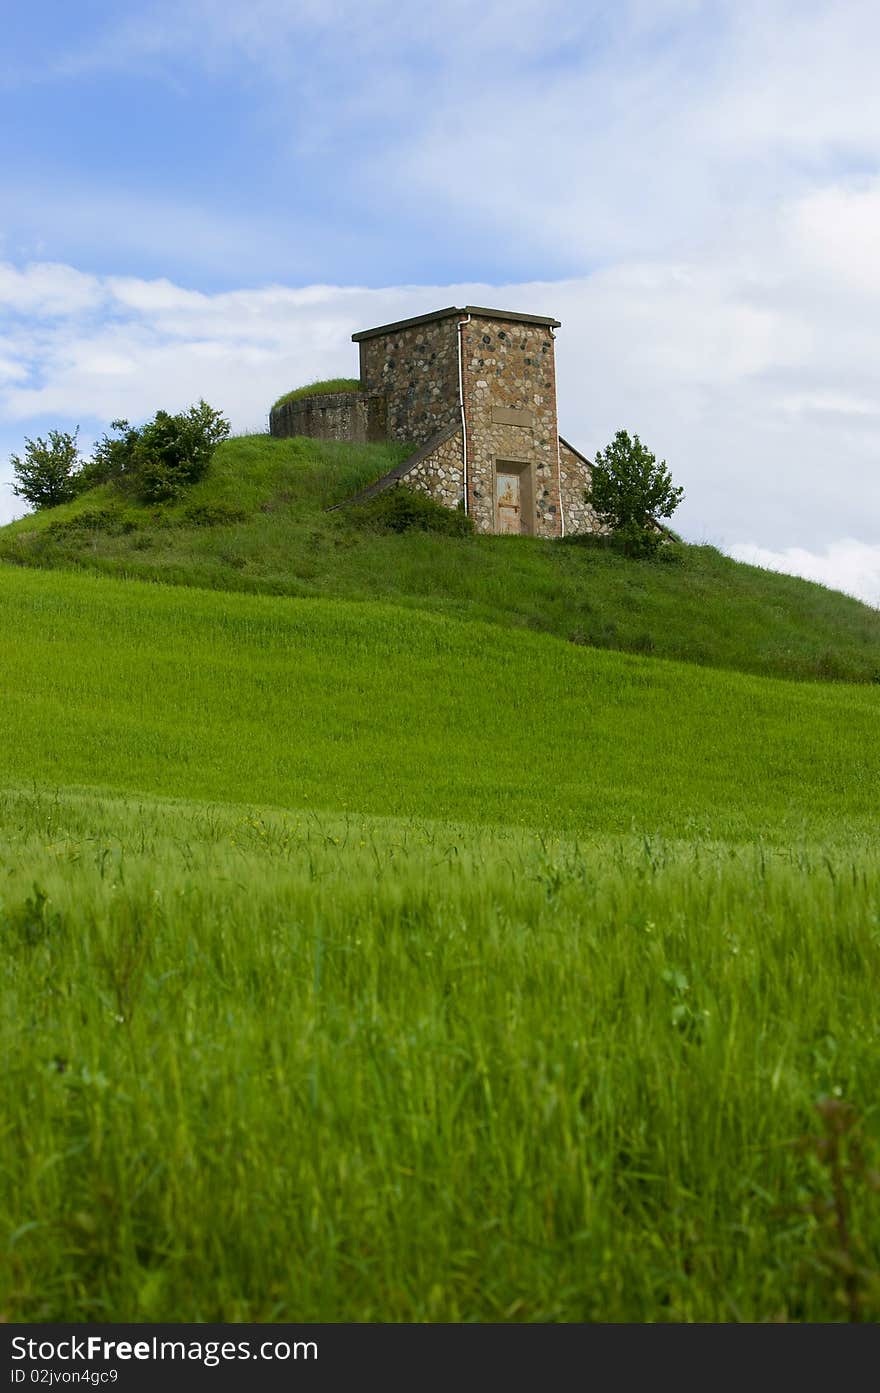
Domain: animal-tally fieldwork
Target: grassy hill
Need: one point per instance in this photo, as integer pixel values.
(420, 970)
(358, 962)
(332, 705)
(258, 523)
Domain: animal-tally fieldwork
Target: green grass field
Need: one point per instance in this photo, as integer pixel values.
(360, 963)
(371, 954)
(387, 711)
(293, 1067)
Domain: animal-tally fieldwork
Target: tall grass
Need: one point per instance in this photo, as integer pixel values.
(292, 1067)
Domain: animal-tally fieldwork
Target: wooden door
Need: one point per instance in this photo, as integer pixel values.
(508, 503)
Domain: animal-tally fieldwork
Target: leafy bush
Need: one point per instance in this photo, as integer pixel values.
(404, 510)
(110, 520)
(157, 461)
(111, 461)
(49, 473)
(629, 491)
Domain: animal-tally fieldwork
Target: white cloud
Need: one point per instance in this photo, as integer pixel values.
(47, 290)
(10, 506)
(847, 565)
(838, 229)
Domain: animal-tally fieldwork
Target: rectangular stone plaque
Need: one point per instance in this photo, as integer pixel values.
(512, 416)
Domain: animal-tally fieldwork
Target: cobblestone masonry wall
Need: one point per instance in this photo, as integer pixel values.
(510, 412)
(410, 391)
(440, 474)
(416, 369)
(575, 472)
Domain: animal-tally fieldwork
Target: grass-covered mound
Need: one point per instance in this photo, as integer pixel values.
(320, 389)
(331, 705)
(258, 522)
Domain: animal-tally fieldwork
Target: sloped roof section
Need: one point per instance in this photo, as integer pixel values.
(401, 471)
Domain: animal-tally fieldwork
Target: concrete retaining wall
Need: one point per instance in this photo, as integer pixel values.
(354, 416)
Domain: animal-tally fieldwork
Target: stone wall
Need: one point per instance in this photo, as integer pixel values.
(441, 473)
(575, 475)
(416, 370)
(510, 414)
(352, 416)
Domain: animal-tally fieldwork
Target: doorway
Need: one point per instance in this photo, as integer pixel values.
(514, 503)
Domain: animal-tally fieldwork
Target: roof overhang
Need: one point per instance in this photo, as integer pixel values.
(477, 311)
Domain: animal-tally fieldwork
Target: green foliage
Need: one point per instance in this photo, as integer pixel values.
(112, 460)
(319, 389)
(402, 509)
(628, 491)
(156, 462)
(112, 522)
(49, 472)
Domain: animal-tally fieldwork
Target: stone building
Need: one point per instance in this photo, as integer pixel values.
(474, 390)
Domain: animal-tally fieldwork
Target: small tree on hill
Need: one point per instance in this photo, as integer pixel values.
(159, 460)
(629, 491)
(48, 473)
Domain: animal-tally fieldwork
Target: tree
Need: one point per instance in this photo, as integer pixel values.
(159, 460)
(629, 491)
(48, 474)
(175, 451)
(112, 457)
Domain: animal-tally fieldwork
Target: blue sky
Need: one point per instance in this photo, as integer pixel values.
(203, 198)
(349, 143)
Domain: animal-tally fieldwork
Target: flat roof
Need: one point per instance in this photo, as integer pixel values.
(477, 310)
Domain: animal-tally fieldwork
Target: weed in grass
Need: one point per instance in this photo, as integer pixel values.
(843, 1182)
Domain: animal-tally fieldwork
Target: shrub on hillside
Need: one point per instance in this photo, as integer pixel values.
(629, 490)
(404, 510)
(49, 473)
(217, 514)
(111, 521)
(157, 461)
